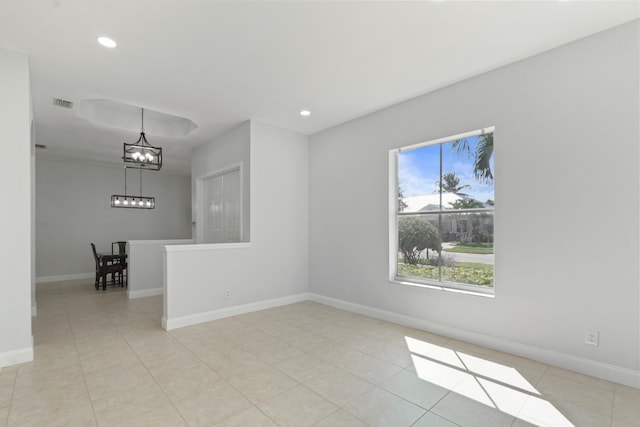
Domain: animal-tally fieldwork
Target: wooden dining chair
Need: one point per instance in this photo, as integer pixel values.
(122, 251)
(103, 268)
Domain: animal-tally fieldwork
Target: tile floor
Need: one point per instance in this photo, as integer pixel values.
(101, 359)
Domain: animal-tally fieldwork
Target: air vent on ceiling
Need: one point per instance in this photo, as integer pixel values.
(41, 146)
(62, 103)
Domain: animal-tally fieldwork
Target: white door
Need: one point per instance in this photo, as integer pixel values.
(231, 206)
(222, 208)
(213, 210)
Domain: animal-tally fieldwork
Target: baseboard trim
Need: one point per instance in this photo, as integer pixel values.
(15, 357)
(47, 279)
(597, 369)
(145, 293)
(193, 319)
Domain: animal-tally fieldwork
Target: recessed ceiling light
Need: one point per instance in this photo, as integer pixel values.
(305, 113)
(107, 42)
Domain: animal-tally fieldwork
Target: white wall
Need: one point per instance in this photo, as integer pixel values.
(229, 149)
(145, 266)
(273, 267)
(73, 209)
(16, 342)
(32, 164)
(566, 192)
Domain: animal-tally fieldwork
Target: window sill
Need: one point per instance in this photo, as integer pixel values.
(436, 287)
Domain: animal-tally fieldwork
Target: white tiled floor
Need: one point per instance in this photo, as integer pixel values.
(103, 359)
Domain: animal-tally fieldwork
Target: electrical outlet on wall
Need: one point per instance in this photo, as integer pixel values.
(345, 288)
(592, 338)
(227, 293)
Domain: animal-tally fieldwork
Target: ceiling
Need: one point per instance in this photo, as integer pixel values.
(220, 63)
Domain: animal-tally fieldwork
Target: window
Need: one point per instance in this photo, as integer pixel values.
(442, 204)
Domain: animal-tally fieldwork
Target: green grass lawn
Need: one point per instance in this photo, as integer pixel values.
(471, 273)
(472, 248)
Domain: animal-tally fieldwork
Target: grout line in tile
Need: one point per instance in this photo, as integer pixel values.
(13, 390)
(84, 376)
(149, 372)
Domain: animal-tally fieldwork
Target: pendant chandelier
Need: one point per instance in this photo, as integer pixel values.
(141, 154)
(129, 201)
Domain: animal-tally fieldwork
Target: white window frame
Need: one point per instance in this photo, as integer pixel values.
(393, 225)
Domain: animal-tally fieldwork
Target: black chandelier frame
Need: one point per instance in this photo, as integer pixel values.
(130, 201)
(141, 154)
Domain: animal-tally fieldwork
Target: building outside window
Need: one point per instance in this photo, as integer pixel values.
(442, 204)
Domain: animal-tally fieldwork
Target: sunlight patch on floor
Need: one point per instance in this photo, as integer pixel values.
(489, 383)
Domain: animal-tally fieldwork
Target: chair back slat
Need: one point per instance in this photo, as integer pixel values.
(122, 248)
